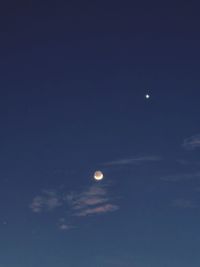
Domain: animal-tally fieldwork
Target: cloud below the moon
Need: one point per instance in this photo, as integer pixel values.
(98, 210)
(94, 200)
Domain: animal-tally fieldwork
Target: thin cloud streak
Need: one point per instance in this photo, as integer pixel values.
(180, 177)
(132, 161)
(97, 210)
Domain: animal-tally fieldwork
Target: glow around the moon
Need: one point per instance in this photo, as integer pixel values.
(98, 175)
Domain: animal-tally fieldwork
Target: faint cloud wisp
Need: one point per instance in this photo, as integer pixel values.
(48, 201)
(93, 201)
(130, 161)
(192, 142)
(63, 225)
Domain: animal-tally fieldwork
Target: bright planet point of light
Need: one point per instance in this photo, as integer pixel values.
(147, 96)
(98, 175)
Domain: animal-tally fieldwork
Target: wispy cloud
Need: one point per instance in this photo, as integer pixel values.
(97, 210)
(181, 177)
(192, 142)
(131, 161)
(48, 201)
(63, 225)
(184, 203)
(95, 200)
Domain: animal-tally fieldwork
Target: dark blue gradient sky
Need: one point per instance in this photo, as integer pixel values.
(72, 100)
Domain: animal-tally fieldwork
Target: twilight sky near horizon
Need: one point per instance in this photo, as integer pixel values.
(74, 79)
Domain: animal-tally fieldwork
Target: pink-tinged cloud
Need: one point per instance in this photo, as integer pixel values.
(94, 200)
(46, 202)
(88, 201)
(98, 210)
(92, 196)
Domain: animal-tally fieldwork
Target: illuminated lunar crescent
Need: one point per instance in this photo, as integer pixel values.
(98, 175)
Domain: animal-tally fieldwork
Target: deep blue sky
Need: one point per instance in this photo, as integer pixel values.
(72, 100)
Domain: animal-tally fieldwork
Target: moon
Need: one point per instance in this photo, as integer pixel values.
(98, 175)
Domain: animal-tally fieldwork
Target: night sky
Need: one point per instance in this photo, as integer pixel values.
(73, 81)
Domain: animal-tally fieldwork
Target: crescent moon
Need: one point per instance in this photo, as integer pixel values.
(98, 175)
